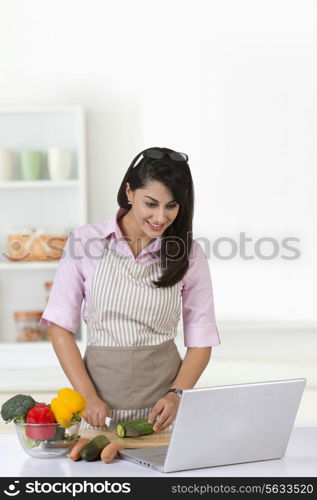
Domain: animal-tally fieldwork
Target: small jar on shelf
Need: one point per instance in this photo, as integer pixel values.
(27, 326)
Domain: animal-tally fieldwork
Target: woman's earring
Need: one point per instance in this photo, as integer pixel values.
(129, 202)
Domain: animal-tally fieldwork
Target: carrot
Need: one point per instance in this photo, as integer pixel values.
(75, 452)
(110, 452)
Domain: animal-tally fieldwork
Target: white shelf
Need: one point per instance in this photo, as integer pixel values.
(35, 204)
(28, 266)
(40, 184)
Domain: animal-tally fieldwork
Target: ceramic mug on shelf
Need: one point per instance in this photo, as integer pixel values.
(59, 163)
(31, 163)
(6, 164)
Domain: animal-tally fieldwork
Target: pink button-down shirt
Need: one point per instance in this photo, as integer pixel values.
(82, 252)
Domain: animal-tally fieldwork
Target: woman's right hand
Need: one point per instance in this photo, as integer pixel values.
(96, 411)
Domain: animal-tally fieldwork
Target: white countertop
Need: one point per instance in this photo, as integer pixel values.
(300, 460)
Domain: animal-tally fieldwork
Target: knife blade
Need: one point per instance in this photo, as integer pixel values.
(111, 424)
(112, 427)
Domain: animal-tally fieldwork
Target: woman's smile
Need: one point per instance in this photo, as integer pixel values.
(155, 227)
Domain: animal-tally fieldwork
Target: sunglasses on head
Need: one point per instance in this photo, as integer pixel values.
(157, 154)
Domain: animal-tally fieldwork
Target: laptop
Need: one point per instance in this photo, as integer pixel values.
(227, 425)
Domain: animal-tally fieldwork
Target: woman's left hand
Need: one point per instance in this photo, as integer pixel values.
(165, 409)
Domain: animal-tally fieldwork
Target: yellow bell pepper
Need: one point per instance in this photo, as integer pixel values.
(68, 406)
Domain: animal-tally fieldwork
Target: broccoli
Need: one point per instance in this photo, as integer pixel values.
(16, 408)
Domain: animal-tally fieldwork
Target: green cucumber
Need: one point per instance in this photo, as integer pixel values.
(141, 426)
(92, 450)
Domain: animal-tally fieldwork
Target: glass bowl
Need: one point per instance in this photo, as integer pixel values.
(47, 440)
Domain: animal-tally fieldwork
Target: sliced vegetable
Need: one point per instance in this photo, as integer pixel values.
(110, 452)
(141, 426)
(75, 453)
(92, 450)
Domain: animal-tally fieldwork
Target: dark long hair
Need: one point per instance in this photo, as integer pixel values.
(177, 238)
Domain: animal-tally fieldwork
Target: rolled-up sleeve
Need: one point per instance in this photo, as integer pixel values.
(67, 293)
(199, 324)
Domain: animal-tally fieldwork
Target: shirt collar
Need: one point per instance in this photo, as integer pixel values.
(114, 228)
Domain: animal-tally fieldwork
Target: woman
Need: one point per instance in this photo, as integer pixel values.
(137, 273)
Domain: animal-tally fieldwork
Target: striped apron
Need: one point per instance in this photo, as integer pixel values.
(131, 356)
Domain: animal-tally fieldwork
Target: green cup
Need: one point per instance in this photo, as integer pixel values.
(31, 163)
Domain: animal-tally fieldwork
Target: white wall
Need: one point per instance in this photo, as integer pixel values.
(232, 83)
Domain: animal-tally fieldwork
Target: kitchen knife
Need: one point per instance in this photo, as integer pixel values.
(112, 426)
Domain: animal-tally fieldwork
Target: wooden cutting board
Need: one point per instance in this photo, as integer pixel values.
(155, 439)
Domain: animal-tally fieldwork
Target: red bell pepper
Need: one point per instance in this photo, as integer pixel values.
(40, 414)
